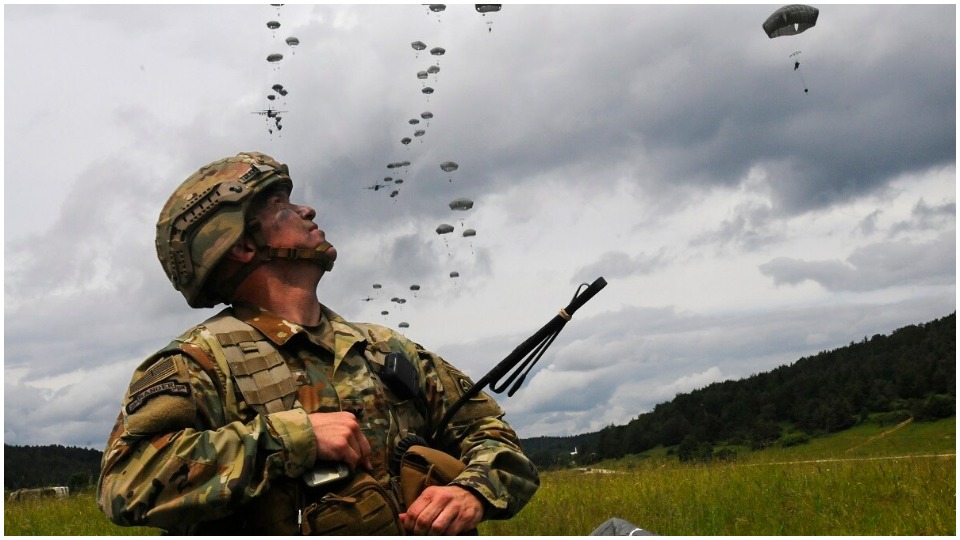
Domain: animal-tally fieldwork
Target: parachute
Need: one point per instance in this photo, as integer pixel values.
(427, 90)
(454, 274)
(414, 287)
(292, 41)
(469, 232)
(376, 285)
(275, 57)
(273, 25)
(277, 87)
(790, 20)
(422, 75)
(426, 115)
(449, 166)
(433, 70)
(461, 203)
(444, 228)
(405, 140)
(437, 51)
(404, 325)
(418, 45)
(437, 8)
(483, 9)
(414, 121)
(419, 133)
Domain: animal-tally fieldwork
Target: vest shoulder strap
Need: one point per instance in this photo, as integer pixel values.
(262, 376)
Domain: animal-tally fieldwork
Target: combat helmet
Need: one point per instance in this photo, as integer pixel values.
(207, 215)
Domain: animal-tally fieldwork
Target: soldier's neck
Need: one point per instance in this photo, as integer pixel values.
(293, 299)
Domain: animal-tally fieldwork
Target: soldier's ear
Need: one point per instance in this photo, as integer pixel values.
(243, 250)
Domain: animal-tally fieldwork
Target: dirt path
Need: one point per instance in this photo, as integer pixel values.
(883, 434)
(833, 460)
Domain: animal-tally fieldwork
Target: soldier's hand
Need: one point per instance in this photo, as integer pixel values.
(339, 438)
(447, 510)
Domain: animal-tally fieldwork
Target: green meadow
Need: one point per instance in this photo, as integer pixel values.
(865, 481)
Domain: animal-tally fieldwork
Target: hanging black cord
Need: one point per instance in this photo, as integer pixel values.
(528, 352)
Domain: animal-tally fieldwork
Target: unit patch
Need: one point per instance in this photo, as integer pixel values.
(169, 387)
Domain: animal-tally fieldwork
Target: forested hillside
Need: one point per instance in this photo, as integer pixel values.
(910, 373)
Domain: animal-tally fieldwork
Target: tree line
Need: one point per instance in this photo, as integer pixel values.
(910, 373)
(49, 465)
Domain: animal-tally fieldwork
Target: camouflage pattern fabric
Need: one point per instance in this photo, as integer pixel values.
(188, 455)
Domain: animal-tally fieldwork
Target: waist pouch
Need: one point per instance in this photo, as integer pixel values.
(422, 467)
(361, 507)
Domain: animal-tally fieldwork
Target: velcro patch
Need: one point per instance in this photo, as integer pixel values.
(169, 387)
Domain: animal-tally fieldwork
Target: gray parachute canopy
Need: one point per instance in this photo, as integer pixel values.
(487, 8)
(422, 75)
(404, 325)
(433, 70)
(469, 232)
(292, 41)
(790, 20)
(426, 115)
(454, 274)
(276, 57)
(414, 287)
(449, 166)
(437, 51)
(437, 8)
(418, 45)
(444, 228)
(273, 25)
(461, 203)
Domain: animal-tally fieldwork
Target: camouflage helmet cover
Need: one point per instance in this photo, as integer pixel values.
(205, 217)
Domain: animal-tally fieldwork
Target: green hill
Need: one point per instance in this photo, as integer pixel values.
(910, 373)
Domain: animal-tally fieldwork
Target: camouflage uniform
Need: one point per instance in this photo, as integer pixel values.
(188, 455)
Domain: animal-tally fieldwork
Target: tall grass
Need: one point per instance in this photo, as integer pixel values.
(868, 497)
(76, 515)
(865, 481)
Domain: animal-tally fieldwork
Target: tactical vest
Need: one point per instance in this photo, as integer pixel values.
(362, 506)
(266, 385)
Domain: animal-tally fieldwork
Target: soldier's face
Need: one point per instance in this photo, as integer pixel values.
(285, 224)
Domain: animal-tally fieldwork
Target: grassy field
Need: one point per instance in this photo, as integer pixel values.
(865, 481)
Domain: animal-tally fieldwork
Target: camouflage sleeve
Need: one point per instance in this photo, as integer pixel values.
(173, 459)
(497, 470)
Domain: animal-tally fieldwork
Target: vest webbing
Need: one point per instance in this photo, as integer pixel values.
(262, 376)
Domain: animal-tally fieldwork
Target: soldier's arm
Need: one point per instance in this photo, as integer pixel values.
(175, 458)
(497, 470)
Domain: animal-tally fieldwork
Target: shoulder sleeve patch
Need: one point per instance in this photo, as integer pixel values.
(159, 379)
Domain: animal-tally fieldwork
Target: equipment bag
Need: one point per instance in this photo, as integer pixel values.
(361, 507)
(422, 467)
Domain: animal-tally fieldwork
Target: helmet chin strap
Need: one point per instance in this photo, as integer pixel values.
(317, 254)
(266, 253)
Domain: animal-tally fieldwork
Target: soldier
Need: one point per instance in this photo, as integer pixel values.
(277, 416)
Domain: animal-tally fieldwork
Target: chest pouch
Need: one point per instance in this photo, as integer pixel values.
(361, 507)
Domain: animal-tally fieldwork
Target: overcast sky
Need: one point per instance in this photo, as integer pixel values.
(740, 221)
